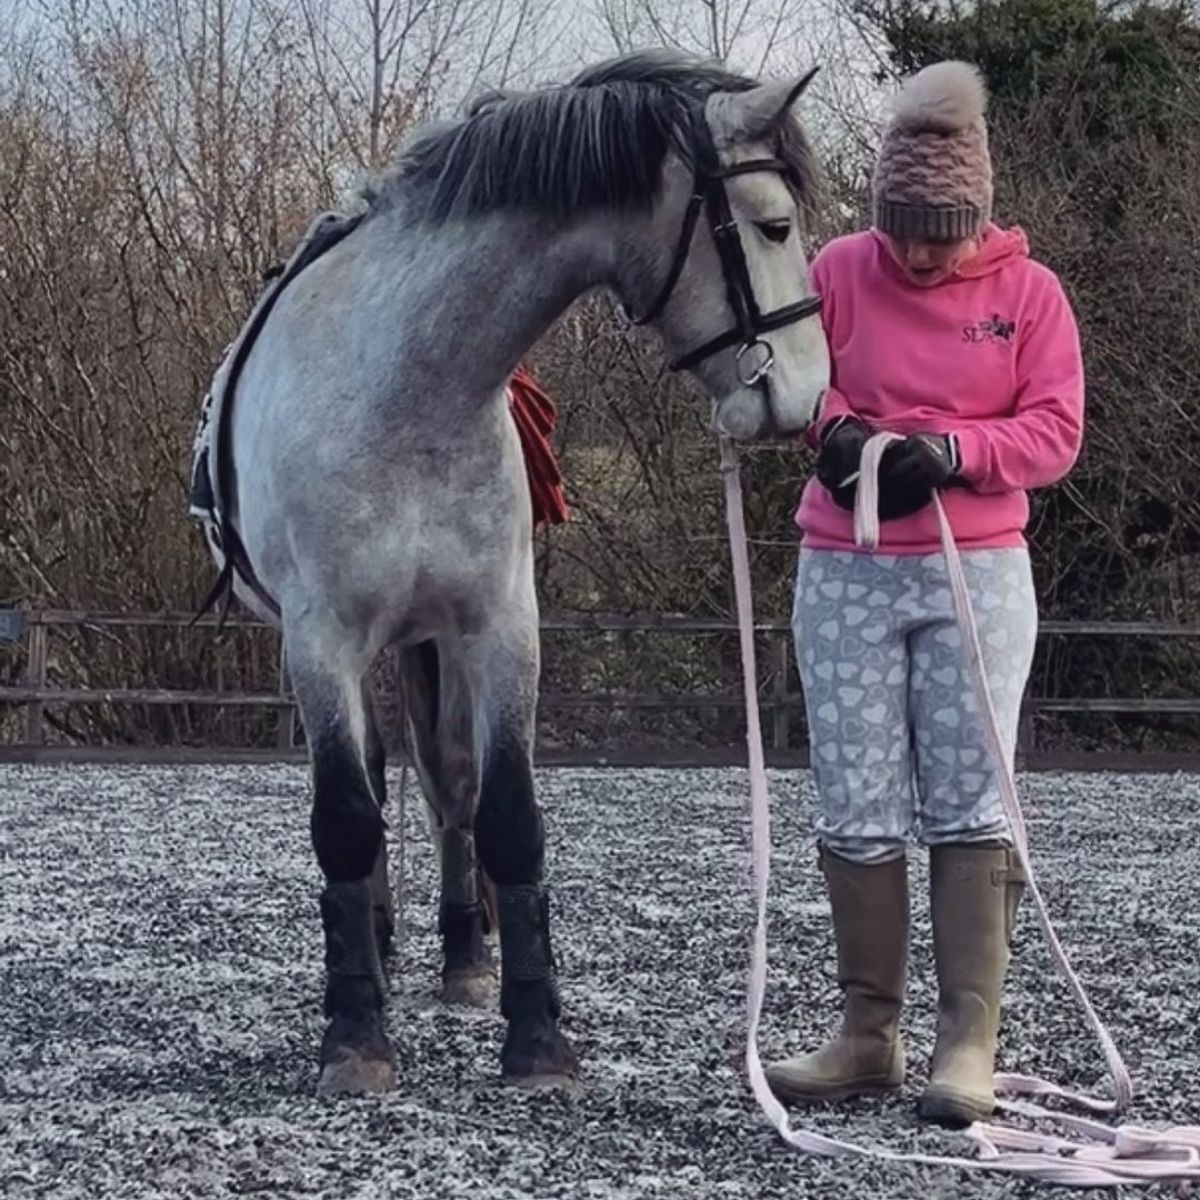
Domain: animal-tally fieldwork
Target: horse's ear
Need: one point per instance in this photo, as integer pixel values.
(799, 87)
(757, 112)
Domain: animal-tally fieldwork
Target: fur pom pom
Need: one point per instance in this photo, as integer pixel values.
(944, 97)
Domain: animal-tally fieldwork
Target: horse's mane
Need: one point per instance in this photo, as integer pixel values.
(597, 141)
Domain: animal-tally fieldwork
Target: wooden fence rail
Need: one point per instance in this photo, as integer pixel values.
(778, 698)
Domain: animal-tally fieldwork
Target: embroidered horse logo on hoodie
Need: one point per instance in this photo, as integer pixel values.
(990, 329)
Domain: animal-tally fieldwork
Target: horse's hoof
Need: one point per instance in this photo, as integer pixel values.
(356, 1057)
(471, 987)
(539, 1057)
(567, 1085)
(352, 1074)
(468, 966)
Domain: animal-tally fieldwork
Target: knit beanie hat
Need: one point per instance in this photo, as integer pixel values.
(933, 178)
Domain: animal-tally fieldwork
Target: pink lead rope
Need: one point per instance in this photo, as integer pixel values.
(1098, 1155)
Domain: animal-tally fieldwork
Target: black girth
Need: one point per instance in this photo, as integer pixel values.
(237, 561)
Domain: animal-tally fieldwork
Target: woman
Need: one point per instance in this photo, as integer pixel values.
(942, 329)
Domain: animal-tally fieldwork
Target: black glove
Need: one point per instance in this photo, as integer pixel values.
(839, 457)
(910, 471)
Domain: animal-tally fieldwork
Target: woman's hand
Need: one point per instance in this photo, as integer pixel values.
(839, 457)
(910, 471)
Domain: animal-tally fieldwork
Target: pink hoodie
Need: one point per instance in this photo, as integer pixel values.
(992, 355)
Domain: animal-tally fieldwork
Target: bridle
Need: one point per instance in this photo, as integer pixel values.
(708, 189)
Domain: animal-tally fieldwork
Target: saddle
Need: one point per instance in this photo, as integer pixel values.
(535, 416)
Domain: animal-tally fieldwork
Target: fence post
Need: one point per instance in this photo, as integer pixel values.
(782, 712)
(1026, 734)
(285, 727)
(35, 676)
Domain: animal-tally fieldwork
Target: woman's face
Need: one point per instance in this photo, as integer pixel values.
(929, 263)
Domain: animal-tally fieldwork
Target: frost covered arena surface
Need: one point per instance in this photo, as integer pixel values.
(160, 981)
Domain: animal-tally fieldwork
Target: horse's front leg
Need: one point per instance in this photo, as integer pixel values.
(347, 833)
(511, 840)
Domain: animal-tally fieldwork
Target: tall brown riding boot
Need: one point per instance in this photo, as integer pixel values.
(974, 893)
(870, 925)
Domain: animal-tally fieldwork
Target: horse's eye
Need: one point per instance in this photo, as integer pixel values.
(775, 231)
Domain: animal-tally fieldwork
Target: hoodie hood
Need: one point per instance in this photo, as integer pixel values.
(1000, 247)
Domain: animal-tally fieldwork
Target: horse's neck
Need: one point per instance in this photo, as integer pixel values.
(477, 294)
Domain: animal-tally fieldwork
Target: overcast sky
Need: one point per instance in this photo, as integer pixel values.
(521, 43)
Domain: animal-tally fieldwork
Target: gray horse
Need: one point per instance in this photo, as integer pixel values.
(369, 487)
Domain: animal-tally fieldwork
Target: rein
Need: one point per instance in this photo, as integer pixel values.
(1099, 1155)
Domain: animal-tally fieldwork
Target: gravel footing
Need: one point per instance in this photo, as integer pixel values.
(160, 981)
